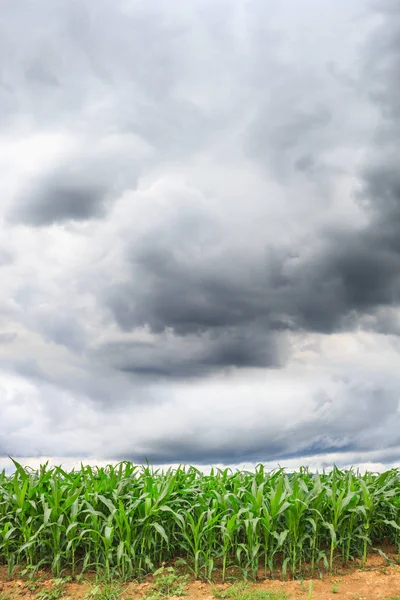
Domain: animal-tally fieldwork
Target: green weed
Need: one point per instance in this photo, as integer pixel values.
(167, 582)
(335, 587)
(54, 593)
(244, 591)
(108, 591)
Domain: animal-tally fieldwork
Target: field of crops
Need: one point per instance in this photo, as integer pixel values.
(129, 520)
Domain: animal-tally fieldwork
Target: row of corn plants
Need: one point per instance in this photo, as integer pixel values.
(129, 520)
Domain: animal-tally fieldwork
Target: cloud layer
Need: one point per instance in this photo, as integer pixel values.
(199, 251)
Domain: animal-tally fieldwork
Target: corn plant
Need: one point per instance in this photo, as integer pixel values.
(128, 521)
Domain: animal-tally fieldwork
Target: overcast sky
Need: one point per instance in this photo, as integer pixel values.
(200, 231)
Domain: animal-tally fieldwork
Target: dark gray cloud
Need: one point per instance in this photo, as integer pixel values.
(196, 356)
(80, 188)
(345, 274)
(60, 202)
(241, 310)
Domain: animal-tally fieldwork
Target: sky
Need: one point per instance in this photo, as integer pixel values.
(200, 232)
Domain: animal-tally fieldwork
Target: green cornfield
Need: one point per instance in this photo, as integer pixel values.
(127, 520)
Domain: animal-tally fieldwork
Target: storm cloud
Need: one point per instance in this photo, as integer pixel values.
(200, 256)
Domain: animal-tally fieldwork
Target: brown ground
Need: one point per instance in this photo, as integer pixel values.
(376, 582)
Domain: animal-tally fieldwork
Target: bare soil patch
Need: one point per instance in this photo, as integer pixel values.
(377, 581)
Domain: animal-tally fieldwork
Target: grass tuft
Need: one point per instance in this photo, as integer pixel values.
(244, 591)
(107, 591)
(167, 582)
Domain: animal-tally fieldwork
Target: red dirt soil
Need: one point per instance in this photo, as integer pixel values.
(377, 581)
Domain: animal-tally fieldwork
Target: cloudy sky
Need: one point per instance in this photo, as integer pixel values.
(200, 231)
